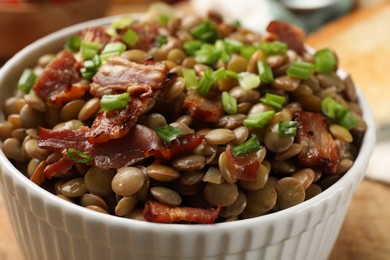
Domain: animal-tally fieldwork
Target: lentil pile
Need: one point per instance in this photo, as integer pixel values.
(184, 120)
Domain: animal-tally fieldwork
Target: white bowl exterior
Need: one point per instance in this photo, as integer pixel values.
(48, 227)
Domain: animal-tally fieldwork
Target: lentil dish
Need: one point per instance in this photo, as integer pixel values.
(184, 120)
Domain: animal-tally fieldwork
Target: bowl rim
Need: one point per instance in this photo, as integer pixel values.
(359, 165)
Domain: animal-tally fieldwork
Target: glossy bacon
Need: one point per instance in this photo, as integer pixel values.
(293, 36)
(116, 123)
(319, 148)
(147, 33)
(140, 143)
(184, 144)
(57, 84)
(160, 213)
(244, 167)
(95, 34)
(202, 108)
(120, 75)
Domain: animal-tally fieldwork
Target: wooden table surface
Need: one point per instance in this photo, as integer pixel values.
(362, 41)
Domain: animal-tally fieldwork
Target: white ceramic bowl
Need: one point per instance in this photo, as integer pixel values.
(48, 227)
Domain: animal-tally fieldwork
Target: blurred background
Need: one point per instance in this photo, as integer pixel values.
(23, 21)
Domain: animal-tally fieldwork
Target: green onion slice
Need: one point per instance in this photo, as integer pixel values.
(190, 78)
(248, 80)
(78, 156)
(300, 69)
(220, 74)
(161, 40)
(287, 128)
(207, 54)
(89, 49)
(229, 103)
(265, 72)
(111, 49)
(251, 146)
(130, 37)
(258, 120)
(247, 51)
(273, 100)
(27, 80)
(168, 133)
(325, 61)
(122, 22)
(338, 113)
(273, 48)
(205, 83)
(111, 102)
(73, 43)
(191, 47)
(206, 32)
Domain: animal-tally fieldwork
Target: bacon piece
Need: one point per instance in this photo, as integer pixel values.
(57, 84)
(115, 123)
(120, 75)
(62, 166)
(292, 35)
(95, 34)
(319, 148)
(202, 108)
(147, 33)
(184, 144)
(243, 167)
(160, 213)
(138, 144)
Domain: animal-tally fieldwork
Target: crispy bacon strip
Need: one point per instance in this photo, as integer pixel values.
(202, 108)
(115, 124)
(120, 75)
(57, 84)
(62, 166)
(244, 167)
(140, 143)
(184, 144)
(160, 213)
(147, 33)
(95, 34)
(292, 35)
(319, 148)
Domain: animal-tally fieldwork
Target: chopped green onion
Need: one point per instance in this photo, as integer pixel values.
(259, 119)
(300, 69)
(89, 49)
(206, 32)
(112, 48)
(90, 67)
(232, 74)
(265, 72)
(111, 31)
(247, 51)
(338, 113)
(112, 102)
(251, 146)
(232, 45)
(191, 47)
(325, 61)
(78, 156)
(287, 128)
(163, 19)
(248, 80)
(220, 74)
(332, 109)
(168, 133)
(122, 22)
(161, 40)
(207, 54)
(190, 78)
(229, 103)
(348, 120)
(130, 37)
(273, 100)
(273, 48)
(73, 43)
(205, 83)
(27, 80)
